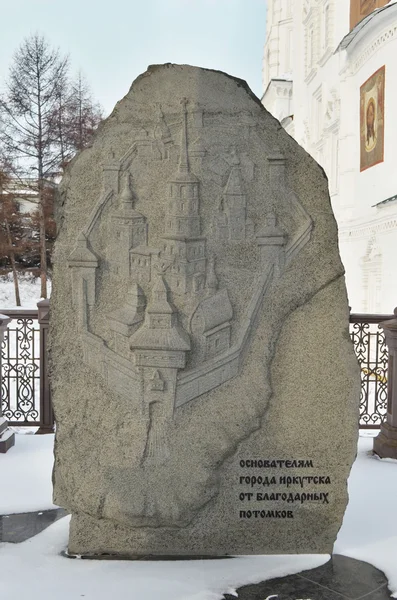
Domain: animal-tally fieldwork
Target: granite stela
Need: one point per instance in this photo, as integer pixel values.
(203, 379)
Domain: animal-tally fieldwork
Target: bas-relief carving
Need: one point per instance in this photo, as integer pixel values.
(145, 360)
(232, 222)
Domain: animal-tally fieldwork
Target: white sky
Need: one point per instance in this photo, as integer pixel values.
(113, 42)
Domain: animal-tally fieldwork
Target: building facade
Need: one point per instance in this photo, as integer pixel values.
(330, 77)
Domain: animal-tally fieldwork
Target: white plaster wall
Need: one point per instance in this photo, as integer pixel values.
(278, 99)
(278, 52)
(365, 228)
(378, 182)
(326, 123)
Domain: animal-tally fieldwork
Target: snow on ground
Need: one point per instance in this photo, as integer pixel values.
(29, 290)
(52, 576)
(26, 475)
(369, 533)
(369, 530)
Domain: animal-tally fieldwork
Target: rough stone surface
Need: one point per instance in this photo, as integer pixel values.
(199, 323)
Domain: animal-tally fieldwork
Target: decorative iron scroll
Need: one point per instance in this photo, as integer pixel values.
(372, 354)
(20, 372)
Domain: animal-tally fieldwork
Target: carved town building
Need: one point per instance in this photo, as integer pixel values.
(232, 221)
(196, 257)
(329, 68)
(182, 250)
(174, 306)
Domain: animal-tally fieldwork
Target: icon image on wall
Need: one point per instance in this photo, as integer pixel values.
(362, 8)
(372, 120)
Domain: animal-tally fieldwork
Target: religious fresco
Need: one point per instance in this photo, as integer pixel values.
(362, 8)
(372, 120)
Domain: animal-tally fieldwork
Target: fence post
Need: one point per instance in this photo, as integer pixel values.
(385, 443)
(7, 437)
(46, 412)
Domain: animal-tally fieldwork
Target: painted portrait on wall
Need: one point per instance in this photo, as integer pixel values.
(362, 8)
(372, 120)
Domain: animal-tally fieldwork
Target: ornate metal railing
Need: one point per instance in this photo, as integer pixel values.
(25, 393)
(371, 351)
(20, 377)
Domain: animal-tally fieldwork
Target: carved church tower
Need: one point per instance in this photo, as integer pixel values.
(160, 347)
(182, 243)
(129, 227)
(235, 207)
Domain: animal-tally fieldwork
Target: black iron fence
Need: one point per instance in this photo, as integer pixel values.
(24, 387)
(25, 393)
(20, 360)
(371, 351)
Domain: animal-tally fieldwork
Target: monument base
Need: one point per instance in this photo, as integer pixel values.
(90, 537)
(385, 443)
(7, 437)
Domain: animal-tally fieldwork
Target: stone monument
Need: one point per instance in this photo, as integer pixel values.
(203, 379)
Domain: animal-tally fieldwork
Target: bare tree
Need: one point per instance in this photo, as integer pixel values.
(84, 114)
(29, 110)
(76, 117)
(8, 220)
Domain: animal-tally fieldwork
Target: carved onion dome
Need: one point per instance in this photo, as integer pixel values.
(126, 196)
(214, 311)
(127, 200)
(133, 311)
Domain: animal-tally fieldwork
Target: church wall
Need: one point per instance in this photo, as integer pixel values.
(377, 182)
(368, 234)
(326, 107)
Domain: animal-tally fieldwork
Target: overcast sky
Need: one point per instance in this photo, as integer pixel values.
(113, 42)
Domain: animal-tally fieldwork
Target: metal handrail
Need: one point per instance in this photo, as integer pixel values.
(45, 417)
(372, 354)
(374, 373)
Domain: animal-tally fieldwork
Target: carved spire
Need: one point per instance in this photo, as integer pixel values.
(159, 298)
(160, 330)
(184, 157)
(234, 185)
(212, 280)
(81, 254)
(162, 131)
(126, 196)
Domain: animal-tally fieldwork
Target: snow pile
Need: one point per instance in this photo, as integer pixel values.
(29, 290)
(369, 530)
(369, 533)
(50, 575)
(26, 475)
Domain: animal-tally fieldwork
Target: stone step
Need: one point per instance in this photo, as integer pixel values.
(7, 440)
(3, 425)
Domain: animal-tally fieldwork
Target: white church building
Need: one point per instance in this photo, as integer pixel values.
(330, 77)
